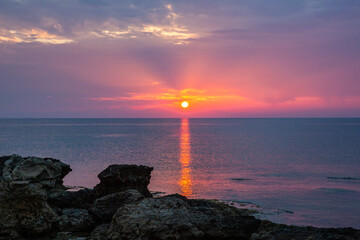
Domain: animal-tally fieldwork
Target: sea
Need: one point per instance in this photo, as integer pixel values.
(300, 171)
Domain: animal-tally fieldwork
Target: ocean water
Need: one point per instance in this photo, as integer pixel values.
(293, 171)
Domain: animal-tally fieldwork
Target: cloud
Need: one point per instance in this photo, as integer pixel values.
(175, 95)
(31, 35)
(172, 31)
(199, 99)
(116, 29)
(164, 25)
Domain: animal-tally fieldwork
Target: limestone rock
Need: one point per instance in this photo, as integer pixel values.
(75, 220)
(3, 159)
(175, 217)
(100, 232)
(104, 208)
(117, 178)
(46, 171)
(83, 198)
(23, 194)
(66, 236)
(28, 216)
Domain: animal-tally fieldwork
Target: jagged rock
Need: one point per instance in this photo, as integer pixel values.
(117, 178)
(75, 220)
(46, 171)
(3, 159)
(104, 208)
(67, 236)
(26, 216)
(83, 198)
(175, 217)
(23, 194)
(100, 232)
(273, 231)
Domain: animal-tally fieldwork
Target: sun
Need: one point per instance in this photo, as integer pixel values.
(184, 104)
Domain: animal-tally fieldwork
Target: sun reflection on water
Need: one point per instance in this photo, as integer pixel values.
(185, 159)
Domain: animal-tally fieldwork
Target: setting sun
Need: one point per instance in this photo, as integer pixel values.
(184, 104)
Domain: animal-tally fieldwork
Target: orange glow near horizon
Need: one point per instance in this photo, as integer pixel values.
(209, 100)
(185, 159)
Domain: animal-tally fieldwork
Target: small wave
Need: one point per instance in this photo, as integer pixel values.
(256, 209)
(336, 190)
(343, 178)
(240, 179)
(113, 135)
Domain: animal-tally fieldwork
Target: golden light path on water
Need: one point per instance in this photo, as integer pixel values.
(185, 159)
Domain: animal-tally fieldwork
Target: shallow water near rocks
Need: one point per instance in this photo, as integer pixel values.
(294, 171)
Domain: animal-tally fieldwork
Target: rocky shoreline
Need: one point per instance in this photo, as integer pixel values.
(34, 204)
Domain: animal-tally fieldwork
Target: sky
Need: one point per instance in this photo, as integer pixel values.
(228, 58)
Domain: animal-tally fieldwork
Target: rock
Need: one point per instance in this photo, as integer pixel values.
(3, 159)
(175, 217)
(100, 232)
(26, 216)
(46, 171)
(67, 236)
(104, 208)
(75, 220)
(23, 194)
(35, 205)
(117, 178)
(273, 231)
(20, 172)
(83, 199)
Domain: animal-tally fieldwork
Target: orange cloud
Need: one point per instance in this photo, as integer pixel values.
(31, 35)
(199, 99)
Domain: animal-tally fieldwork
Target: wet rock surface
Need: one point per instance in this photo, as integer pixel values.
(34, 204)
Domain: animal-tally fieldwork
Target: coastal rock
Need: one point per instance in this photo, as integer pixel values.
(67, 236)
(83, 199)
(175, 217)
(3, 159)
(75, 220)
(100, 232)
(26, 216)
(35, 205)
(117, 178)
(46, 171)
(104, 208)
(273, 231)
(23, 194)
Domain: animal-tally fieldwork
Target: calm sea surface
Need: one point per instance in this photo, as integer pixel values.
(294, 171)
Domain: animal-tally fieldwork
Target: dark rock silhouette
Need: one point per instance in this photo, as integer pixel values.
(117, 178)
(82, 199)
